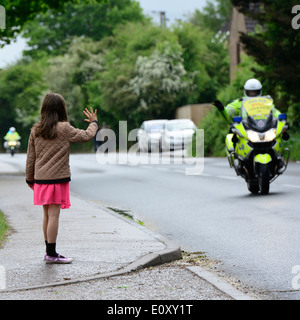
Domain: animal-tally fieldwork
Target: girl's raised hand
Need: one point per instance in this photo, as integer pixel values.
(91, 115)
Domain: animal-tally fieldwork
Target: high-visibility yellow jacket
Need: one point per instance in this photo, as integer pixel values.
(233, 109)
(12, 136)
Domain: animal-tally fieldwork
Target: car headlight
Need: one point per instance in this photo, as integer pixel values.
(253, 136)
(154, 136)
(270, 135)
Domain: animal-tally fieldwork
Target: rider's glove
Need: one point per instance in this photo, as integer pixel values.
(219, 105)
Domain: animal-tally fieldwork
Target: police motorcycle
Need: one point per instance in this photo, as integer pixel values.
(12, 143)
(254, 145)
(12, 147)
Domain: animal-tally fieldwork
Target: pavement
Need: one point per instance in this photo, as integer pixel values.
(115, 257)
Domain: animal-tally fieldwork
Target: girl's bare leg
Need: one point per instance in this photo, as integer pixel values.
(52, 225)
(50, 229)
(45, 221)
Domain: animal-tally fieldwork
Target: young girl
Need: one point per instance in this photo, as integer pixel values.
(47, 164)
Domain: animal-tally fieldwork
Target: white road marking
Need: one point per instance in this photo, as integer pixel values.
(291, 186)
(227, 177)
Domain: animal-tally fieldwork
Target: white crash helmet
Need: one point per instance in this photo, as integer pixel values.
(12, 129)
(252, 85)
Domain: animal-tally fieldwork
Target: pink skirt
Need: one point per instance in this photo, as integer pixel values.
(52, 194)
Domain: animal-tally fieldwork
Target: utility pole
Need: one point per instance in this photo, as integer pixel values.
(163, 19)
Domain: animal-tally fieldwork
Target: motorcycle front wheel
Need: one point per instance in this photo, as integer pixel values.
(12, 152)
(252, 187)
(264, 179)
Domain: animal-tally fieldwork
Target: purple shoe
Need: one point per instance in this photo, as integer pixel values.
(58, 259)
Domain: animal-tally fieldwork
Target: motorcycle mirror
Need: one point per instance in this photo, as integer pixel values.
(237, 119)
(282, 116)
(285, 136)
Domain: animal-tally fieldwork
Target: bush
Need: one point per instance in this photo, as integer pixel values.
(294, 145)
(215, 131)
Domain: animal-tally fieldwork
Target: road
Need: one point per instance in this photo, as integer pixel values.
(256, 238)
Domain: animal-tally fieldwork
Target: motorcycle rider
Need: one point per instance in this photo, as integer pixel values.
(252, 88)
(12, 135)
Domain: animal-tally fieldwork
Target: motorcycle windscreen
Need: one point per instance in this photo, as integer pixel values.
(258, 108)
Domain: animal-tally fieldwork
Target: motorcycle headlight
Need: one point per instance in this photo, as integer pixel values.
(253, 136)
(270, 135)
(261, 137)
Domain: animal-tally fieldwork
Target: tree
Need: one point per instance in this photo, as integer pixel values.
(205, 55)
(71, 73)
(160, 82)
(213, 16)
(21, 88)
(122, 51)
(127, 83)
(276, 47)
(50, 33)
(19, 12)
(131, 89)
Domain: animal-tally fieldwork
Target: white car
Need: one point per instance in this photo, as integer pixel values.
(150, 135)
(178, 134)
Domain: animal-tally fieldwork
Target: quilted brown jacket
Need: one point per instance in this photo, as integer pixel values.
(48, 160)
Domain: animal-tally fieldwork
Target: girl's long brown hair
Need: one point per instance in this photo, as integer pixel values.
(53, 110)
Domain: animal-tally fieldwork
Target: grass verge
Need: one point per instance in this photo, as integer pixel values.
(3, 228)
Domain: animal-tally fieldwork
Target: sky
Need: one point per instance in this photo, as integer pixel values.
(175, 9)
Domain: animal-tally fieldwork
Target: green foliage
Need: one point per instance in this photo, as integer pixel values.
(131, 46)
(19, 12)
(21, 88)
(294, 145)
(150, 71)
(107, 54)
(206, 57)
(51, 33)
(215, 130)
(159, 82)
(3, 228)
(276, 48)
(70, 74)
(213, 16)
